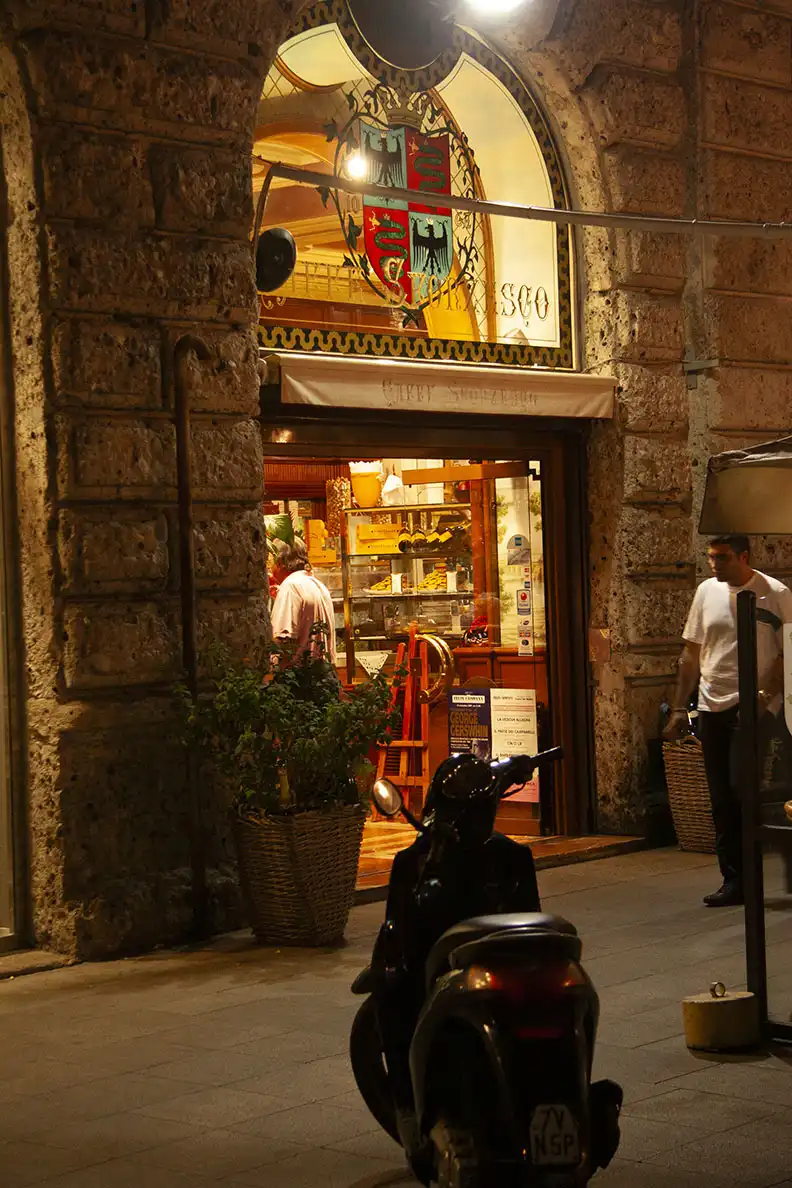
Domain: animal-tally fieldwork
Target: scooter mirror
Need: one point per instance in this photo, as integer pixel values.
(387, 798)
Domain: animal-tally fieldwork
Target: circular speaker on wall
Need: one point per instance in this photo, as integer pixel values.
(276, 257)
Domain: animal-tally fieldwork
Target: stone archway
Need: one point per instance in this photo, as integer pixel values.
(557, 49)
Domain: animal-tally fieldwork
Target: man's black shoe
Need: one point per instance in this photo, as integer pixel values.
(729, 895)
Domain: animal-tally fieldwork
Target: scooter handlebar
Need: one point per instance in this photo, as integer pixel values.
(551, 756)
(521, 768)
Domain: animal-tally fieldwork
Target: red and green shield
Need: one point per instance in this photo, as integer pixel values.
(410, 246)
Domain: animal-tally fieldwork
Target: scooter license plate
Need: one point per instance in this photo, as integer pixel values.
(554, 1137)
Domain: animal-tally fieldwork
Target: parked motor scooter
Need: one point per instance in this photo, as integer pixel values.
(474, 1046)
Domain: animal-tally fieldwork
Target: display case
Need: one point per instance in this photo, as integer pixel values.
(411, 563)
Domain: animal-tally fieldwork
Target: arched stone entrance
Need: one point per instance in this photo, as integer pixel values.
(501, 293)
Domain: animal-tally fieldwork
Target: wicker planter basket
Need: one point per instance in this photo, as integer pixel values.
(688, 795)
(298, 873)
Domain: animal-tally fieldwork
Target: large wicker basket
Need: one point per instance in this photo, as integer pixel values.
(298, 873)
(688, 795)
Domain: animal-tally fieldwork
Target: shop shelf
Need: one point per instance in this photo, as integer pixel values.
(408, 556)
(399, 636)
(462, 594)
(407, 507)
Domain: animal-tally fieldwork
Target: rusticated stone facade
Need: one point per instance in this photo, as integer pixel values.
(677, 109)
(125, 129)
(126, 133)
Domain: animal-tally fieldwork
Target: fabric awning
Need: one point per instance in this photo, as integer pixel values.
(749, 491)
(334, 382)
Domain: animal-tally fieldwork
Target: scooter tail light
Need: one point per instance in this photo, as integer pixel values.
(478, 978)
(522, 983)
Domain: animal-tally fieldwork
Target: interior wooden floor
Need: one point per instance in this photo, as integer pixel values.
(383, 839)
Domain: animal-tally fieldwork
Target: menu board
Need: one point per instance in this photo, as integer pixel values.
(495, 724)
(514, 731)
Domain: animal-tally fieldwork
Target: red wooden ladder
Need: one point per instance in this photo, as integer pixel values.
(405, 760)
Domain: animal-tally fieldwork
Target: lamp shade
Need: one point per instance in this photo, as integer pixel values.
(749, 491)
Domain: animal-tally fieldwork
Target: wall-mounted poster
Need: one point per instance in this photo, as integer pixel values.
(495, 724)
(514, 731)
(469, 730)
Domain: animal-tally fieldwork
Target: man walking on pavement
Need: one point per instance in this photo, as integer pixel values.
(709, 657)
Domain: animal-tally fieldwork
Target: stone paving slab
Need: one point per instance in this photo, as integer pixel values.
(227, 1065)
(28, 961)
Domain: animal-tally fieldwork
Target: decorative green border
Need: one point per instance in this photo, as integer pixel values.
(293, 338)
(390, 346)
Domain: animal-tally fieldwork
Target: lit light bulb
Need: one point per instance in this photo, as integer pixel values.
(356, 167)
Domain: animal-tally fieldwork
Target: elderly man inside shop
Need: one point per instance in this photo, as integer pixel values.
(301, 602)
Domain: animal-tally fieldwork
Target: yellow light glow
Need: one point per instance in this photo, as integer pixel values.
(355, 167)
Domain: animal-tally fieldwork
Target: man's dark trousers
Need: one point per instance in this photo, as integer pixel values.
(719, 734)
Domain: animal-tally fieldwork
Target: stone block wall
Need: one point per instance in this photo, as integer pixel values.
(125, 131)
(135, 123)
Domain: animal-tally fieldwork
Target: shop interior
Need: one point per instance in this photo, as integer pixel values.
(436, 568)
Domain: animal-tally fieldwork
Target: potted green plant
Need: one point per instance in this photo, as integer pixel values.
(290, 746)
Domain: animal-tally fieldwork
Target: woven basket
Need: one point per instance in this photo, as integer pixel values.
(688, 795)
(298, 873)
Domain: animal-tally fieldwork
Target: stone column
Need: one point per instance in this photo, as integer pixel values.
(745, 64)
(132, 185)
(613, 76)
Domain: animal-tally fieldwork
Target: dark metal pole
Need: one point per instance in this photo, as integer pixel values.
(545, 214)
(262, 202)
(186, 345)
(749, 775)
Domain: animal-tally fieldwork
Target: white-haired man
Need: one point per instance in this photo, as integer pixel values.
(302, 601)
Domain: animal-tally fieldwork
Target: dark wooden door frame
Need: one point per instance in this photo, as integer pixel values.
(561, 445)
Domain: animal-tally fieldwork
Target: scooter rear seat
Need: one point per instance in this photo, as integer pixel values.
(557, 933)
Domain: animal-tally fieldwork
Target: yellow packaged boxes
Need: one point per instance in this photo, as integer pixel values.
(375, 539)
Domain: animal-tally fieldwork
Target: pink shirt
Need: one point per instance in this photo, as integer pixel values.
(302, 600)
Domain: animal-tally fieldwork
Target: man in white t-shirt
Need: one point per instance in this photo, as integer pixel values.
(302, 601)
(710, 657)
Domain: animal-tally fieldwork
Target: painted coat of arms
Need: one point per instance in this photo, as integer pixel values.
(405, 241)
(408, 252)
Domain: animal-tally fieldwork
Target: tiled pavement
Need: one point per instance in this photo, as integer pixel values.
(228, 1065)
(383, 839)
